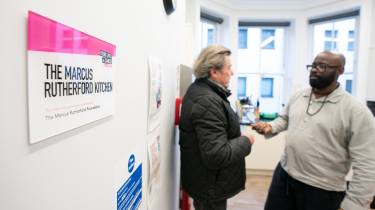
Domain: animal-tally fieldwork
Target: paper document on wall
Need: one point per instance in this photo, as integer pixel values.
(154, 93)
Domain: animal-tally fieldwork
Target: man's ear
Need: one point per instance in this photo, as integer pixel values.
(213, 73)
(341, 70)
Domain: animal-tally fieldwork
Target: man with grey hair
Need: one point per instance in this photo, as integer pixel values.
(328, 132)
(213, 150)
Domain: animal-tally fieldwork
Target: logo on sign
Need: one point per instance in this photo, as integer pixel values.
(131, 163)
(106, 57)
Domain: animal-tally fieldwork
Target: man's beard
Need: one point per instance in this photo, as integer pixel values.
(321, 82)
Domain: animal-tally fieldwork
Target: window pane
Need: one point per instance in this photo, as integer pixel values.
(266, 88)
(348, 85)
(350, 46)
(328, 33)
(242, 38)
(328, 45)
(210, 36)
(268, 39)
(255, 63)
(208, 33)
(339, 36)
(331, 33)
(351, 34)
(241, 86)
(335, 33)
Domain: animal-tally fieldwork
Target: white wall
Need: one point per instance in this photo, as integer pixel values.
(192, 32)
(76, 170)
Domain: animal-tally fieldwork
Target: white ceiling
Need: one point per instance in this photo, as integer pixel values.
(273, 4)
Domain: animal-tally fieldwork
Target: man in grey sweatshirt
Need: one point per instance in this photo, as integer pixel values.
(328, 133)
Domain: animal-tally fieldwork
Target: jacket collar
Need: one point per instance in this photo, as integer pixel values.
(219, 89)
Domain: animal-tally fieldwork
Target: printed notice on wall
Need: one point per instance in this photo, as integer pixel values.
(70, 78)
(154, 168)
(154, 93)
(129, 183)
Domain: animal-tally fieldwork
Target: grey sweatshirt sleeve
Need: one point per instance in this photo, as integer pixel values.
(362, 154)
(281, 122)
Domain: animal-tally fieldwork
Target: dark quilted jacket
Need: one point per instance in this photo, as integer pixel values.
(212, 148)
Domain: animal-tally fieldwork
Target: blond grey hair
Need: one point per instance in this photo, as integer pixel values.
(213, 56)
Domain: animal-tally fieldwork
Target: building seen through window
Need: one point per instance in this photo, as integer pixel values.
(242, 38)
(241, 84)
(266, 87)
(260, 66)
(208, 33)
(210, 36)
(338, 35)
(268, 39)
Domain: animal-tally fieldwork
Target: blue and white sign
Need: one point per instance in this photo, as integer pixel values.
(131, 163)
(129, 196)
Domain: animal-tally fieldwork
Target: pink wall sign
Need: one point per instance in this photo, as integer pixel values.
(48, 35)
(70, 77)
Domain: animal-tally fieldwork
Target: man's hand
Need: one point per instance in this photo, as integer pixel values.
(248, 134)
(262, 128)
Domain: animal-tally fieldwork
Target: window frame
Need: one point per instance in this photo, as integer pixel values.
(353, 14)
(270, 93)
(244, 36)
(279, 89)
(271, 45)
(244, 88)
(349, 82)
(215, 21)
